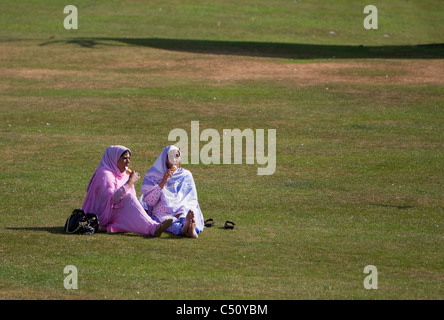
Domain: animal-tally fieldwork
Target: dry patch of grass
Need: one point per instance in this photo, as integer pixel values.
(121, 66)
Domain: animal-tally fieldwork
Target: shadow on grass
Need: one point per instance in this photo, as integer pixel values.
(61, 230)
(267, 49)
(53, 230)
(392, 206)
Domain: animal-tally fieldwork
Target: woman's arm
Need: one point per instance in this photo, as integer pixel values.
(166, 176)
(152, 197)
(120, 193)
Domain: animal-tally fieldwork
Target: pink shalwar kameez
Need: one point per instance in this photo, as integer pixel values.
(114, 202)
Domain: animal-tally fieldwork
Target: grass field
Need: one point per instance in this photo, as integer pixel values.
(359, 150)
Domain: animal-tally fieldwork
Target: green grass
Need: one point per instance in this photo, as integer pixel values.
(359, 173)
(274, 21)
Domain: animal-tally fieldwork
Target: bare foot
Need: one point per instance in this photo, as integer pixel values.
(192, 229)
(186, 225)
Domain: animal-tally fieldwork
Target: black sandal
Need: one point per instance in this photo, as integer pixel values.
(209, 223)
(229, 225)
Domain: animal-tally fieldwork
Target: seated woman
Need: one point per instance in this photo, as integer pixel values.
(170, 193)
(111, 195)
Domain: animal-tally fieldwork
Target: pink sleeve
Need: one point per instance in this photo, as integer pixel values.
(120, 193)
(100, 195)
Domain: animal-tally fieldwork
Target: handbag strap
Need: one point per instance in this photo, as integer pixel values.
(67, 226)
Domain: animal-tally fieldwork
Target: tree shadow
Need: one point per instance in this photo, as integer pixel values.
(267, 49)
(392, 206)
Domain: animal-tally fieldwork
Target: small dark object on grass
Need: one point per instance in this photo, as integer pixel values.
(229, 225)
(209, 223)
(81, 223)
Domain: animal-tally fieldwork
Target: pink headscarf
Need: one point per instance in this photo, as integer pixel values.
(105, 181)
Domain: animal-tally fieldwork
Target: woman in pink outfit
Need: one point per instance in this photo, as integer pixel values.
(111, 195)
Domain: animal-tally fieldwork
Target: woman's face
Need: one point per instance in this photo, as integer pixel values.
(169, 164)
(124, 161)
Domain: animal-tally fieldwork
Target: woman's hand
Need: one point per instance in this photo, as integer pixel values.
(133, 178)
(168, 174)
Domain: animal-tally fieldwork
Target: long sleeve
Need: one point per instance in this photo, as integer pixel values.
(103, 195)
(152, 197)
(120, 193)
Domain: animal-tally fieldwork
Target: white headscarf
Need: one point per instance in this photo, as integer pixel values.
(179, 194)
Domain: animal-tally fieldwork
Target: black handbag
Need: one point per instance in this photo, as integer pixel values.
(81, 223)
